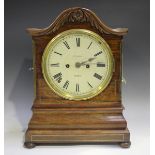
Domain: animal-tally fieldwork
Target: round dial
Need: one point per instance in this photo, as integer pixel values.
(77, 64)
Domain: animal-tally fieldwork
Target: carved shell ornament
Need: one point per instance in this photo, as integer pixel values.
(77, 15)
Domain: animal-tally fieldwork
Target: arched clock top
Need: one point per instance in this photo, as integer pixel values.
(80, 16)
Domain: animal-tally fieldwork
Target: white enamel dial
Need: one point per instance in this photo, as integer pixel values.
(77, 64)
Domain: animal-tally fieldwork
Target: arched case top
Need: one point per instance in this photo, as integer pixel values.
(77, 16)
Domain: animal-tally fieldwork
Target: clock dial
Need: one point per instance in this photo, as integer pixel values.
(77, 64)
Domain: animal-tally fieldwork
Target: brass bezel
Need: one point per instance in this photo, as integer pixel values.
(61, 92)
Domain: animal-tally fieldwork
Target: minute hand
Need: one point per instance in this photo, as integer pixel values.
(89, 60)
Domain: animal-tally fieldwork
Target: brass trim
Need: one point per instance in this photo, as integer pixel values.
(105, 138)
(104, 83)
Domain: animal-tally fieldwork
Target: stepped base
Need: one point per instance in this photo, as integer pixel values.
(77, 125)
(49, 137)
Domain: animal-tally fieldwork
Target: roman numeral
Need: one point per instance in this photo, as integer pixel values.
(66, 44)
(78, 42)
(97, 53)
(77, 87)
(58, 77)
(89, 45)
(57, 53)
(97, 76)
(66, 84)
(55, 65)
(100, 65)
(90, 85)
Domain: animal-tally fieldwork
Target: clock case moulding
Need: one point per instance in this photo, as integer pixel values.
(59, 121)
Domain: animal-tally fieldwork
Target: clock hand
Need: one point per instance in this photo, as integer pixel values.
(79, 64)
(89, 60)
(90, 64)
(94, 63)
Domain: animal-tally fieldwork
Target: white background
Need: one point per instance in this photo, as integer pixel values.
(14, 131)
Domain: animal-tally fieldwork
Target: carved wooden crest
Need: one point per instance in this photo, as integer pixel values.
(77, 15)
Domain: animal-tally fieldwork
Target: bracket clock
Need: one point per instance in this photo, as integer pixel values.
(77, 78)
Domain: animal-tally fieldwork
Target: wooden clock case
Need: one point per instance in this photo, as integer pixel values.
(59, 121)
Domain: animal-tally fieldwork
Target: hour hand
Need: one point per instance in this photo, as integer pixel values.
(79, 64)
(91, 59)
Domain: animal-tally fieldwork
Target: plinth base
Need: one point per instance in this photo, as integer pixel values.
(49, 137)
